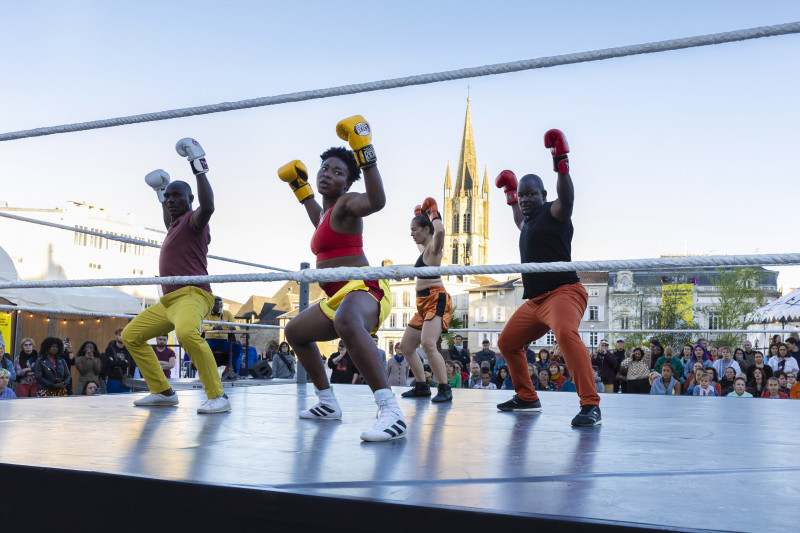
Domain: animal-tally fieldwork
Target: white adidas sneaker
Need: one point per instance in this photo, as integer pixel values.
(220, 404)
(390, 424)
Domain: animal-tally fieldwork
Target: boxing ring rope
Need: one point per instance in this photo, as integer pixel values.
(422, 79)
(129, 240)
(401, 272)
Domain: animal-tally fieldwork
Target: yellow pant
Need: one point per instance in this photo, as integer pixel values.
(182, 310)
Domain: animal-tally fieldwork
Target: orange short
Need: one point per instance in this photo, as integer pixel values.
(430, 303)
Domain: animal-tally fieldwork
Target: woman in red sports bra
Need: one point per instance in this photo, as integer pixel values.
(352, 309)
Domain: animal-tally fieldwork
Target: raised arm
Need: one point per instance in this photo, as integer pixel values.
(358, 134)
(430, 208)
(507, 181)
(295, 174)
(158, 180)
(191, 150)
(562, 206)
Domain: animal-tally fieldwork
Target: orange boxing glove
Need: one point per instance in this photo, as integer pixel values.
(417, 210)
(431, 209)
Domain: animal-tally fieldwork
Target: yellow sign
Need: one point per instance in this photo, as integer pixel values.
(681, 296)
(5, 331)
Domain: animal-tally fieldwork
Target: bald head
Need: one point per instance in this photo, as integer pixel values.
(533, 180)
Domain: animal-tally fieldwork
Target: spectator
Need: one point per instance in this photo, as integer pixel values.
(771, 352)
(381, 353)
(781, 375)
(530, 355)
(758, 362)
(656, 351)
(608, 366)
(166, 357)
(714, 379)
(699, 354)
(5, 391)
(704, 343)
(668, 357)
(88, 364)
(568, 385)
(686, 362)
(713, 353)
(52, 371)
(69, 355)
(749, 353)
(598, 381)
(457, 352)
(726, 361)
(773, 389)
(727, 382)
(459, 370)
(429, 379)
(502, 379)
(283, 363)
(453, 377)
(26, 377)
(218, 336)
(758, 382)
(544, 359)
(498, 362)
(694, 379)
(620, 381)
(343, 370)
(397, 369)
(117, 365)
(486, 381)
(794, 350)
(783, 361)
(245, 362)
(557, 356)
(485, 354)
(7, 362)
(556, 376)
(794, 392)
(533, 373)
(664, 383)
(90, 388)
(739, 389)
(705, 388)
(474, 375)
(638, 370)
(544, 381)
(791, 379)
(776, 339)
(738, 356)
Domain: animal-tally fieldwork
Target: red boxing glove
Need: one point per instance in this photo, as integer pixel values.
(417, 210)
(557, 142)
(431, 209)
(507, 181)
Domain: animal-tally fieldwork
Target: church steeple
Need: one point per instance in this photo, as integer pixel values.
(447, 187)
(467, 162)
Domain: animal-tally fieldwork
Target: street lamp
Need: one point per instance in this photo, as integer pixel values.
(641, 312)
(591, 338)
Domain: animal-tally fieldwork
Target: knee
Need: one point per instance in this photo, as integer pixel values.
(429, 345)
(346, 325)
(129, 337)
(188, 334)
(291, 332)
(503, 344)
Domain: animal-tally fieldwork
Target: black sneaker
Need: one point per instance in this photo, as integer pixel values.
(518, 404)
(588, 417)
(421, 390)
(445, 394)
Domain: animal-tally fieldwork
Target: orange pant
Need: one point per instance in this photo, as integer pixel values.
(560, 310)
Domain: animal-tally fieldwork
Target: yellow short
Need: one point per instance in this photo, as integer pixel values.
(430, 303)
(378, 289)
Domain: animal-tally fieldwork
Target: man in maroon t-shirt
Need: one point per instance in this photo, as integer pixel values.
(184, 252)
(165, 355)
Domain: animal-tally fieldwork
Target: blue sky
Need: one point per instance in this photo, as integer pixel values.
(679, 151)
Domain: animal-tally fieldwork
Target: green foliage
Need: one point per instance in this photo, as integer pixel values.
(456, 322)
(740, 293)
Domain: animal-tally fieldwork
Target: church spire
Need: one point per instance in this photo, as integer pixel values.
(447, 186)
(467, 161)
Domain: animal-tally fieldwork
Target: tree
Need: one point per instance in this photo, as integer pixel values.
(740, 293)
(456, 322)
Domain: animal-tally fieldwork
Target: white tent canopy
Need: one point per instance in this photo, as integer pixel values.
(89, 299)
(784, 309)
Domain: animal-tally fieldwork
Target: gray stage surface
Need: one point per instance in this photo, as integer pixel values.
(674, 463)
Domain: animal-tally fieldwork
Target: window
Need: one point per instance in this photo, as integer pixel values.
(714, 321)
(593, 313)
(395, 301)
(592, 338)
(455, 223)
(501, 295)
(483, 295)
(455, 254)
(406, 299)
(594, 291)
(405, 319)
(481, 315)
(625, 321)
(550, 338)
(499, 314)
(467, 221)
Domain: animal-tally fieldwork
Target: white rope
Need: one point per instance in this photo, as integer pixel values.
(401, 272)
(127, 240)
(422, 79)
(94, 314)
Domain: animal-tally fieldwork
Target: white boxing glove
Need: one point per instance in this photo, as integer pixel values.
(158, 180)
(191, 150)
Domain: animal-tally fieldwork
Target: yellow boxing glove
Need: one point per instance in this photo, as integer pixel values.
(295, 174)
(356, 131)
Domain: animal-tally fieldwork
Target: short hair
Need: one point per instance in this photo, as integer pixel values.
(772, 378)
(450, 364)
(486, 373)
(740, 378)
(118, 331)
(424, 222)
(791, 340)
(723, 348)
(668, 365)
(340, 152)
(705, 375)
(457, 336)
(4, 373)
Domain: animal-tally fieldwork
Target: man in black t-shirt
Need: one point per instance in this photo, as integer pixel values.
(343, 370)
(555, 300)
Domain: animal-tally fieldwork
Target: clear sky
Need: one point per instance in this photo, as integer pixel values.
(672, 152)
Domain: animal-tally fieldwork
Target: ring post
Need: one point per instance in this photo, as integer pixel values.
(302, 377)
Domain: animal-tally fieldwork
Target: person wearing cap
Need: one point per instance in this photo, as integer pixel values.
(485, 355)
(397, 368)
(619, 354)
(607, 365)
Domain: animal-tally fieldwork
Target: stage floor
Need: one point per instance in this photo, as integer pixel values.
(674, 463)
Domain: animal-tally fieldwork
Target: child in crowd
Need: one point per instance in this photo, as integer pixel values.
(544, 381)
(486, 381)
(782, 386)
(665, 382)
(705, 388)
(739, 389)
(714, 379)
(773, 391)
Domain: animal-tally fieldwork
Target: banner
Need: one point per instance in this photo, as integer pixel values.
(5, 331)
(681, 297)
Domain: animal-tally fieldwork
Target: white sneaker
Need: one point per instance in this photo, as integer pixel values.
(157, 399)
(327, 407)
(220, 404)
(390, 424)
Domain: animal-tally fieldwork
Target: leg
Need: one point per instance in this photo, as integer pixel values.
(523, 327)
(431, 331)
(355, 318)
(408, 345)
(150, 323)
(302, 333)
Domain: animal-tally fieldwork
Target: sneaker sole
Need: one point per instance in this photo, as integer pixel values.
(531, 410)
(598, 423)
(315, 417)
(156, 404)
(384, 440)
(199, 412)
(446, 400)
